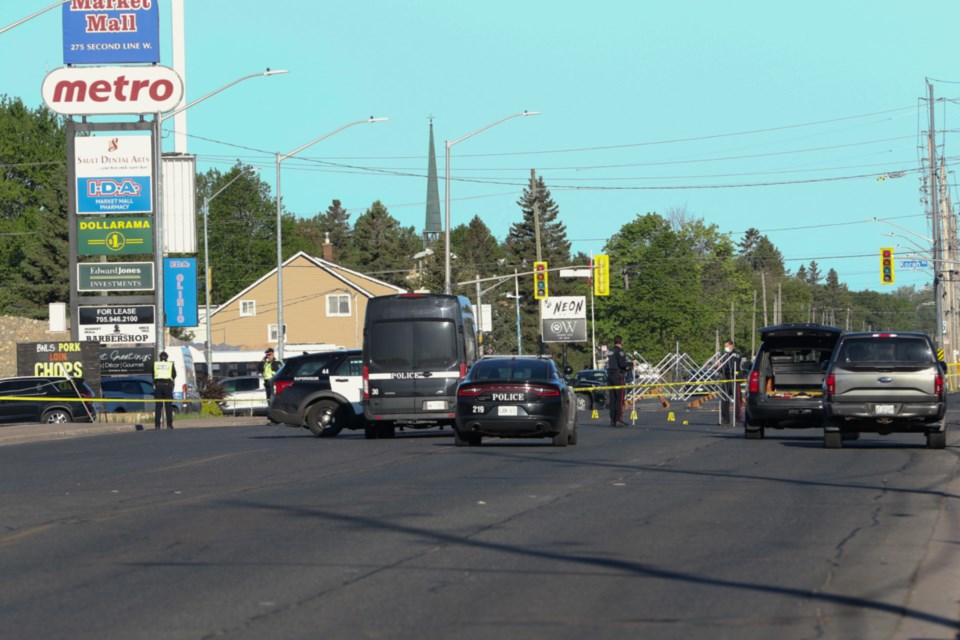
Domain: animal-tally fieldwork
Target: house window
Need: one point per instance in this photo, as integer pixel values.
(248, 308)
(272, 332)
(338, 305)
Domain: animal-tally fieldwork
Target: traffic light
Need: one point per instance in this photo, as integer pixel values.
(886, 265)
(540, 291)
(601, 275)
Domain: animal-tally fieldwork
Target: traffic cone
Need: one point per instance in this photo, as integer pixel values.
(595, 415)
(671, 417)
(685, 422)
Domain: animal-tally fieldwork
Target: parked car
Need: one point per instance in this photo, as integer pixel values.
(134, 394)
(784, 386)
(585, 382)
(46, 399)
(246, 395)
(321, 392)
(515, 398)
(884, 383)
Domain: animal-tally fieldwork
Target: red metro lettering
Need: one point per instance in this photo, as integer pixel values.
(108, 187)
(120, 89)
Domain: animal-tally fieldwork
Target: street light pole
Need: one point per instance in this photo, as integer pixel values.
(206, 263)
(446, 189)
(281, 337)
(158, 214)
(33, 15)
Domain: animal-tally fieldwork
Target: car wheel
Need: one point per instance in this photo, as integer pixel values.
(832, 439)
(388, 430)
(56, 416)
(937, 439)
(753, 434)
(560, 440)
(850, 435)
(370, 431)
(458, 440)
(325, 419)
(574, 435)
(583, 402)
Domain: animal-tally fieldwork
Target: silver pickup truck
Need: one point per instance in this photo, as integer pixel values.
(884, 383)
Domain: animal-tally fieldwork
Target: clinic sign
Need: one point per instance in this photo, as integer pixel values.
(180, 292)
(111, 31)
(564, 319)
(114, 174)
(113, 325)
(114, 236)
(96, 91)
(115, 276)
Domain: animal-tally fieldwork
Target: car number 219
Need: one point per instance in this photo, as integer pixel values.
(478, 408)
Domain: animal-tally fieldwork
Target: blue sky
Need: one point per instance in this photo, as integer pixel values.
(779, 116)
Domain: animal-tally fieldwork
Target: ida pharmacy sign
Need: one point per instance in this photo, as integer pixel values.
(110, 31)
(114, 174)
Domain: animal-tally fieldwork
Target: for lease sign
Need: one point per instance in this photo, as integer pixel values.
(117, 325)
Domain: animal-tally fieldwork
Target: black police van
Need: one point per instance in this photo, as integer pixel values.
(319, 391)
(417, 347)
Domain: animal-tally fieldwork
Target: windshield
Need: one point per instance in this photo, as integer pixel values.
(886, 349)
(418, 345)
(512, 370)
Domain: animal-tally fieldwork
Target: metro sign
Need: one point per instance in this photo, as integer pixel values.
(82, 91)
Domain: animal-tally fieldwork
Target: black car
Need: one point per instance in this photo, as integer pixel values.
(320, 391)
(589, 386)
(515, 398)
(45, 399)
(784, 386)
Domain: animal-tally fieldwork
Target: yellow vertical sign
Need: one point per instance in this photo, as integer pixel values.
(601, 275)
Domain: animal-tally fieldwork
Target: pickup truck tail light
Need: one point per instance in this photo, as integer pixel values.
(754, 382)
(831, 384)
(938, 385)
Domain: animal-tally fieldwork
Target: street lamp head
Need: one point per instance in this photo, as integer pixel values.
(531, 113)
(274, 72)
(372, 119)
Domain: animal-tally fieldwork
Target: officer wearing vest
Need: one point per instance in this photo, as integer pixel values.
(268, 367)
(164, 373)
(617, 368)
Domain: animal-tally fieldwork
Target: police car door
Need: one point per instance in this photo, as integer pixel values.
(348, 381)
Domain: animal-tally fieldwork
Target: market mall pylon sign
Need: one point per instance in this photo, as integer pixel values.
(114, 90)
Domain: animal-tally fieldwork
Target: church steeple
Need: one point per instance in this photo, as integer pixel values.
(432, 227)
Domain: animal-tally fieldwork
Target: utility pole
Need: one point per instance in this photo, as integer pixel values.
(935, 221)
(536, 212)
(763, 285)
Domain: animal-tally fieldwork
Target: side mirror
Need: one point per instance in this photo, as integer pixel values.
(567, 370)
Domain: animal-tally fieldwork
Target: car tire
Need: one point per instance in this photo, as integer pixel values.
(325, 418)
(388, 430)
(850, 435)
(832, 439)
(574, 435)
(459, 441)
(57, 416)
(583, 402)
(753, 434)
(937, 439)
(560, 440)
(370, 431)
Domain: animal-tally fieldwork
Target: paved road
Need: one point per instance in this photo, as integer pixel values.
(663, 530)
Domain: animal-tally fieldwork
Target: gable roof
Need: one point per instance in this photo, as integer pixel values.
(352, 279)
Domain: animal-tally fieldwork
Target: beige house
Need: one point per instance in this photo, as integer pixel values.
(323, 303)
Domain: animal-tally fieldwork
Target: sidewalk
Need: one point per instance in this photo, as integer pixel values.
(39, 432)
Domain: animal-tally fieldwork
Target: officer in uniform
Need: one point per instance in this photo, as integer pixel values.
(269, 365)
(617, 367)
(730, 370)
(164, 373)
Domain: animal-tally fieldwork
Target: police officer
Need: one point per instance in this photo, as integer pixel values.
(730, 370)
(617, 367)
(164, 373)
(269, 365)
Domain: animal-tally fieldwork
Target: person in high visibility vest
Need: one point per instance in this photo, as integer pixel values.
(269, 366)
(164, 373)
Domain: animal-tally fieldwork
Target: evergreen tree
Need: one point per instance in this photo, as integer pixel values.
(382, 248)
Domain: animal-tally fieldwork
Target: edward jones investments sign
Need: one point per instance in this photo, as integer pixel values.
(110, 31)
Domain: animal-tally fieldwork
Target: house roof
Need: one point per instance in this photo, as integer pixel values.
(352, 279)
